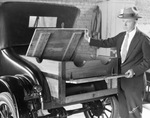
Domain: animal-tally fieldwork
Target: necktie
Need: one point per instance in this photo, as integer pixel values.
(124, 48)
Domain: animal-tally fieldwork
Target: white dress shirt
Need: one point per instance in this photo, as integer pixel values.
(131, 35)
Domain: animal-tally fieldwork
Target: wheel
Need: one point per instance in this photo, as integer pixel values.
(103, 108)
(7, 108)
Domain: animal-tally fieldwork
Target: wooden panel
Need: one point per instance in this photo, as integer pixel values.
(54, 87)
(60, 43)
(90, 95)
(93, 68)
(47, 66)
(69, 71)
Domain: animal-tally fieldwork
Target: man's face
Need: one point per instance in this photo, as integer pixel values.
(129, 24)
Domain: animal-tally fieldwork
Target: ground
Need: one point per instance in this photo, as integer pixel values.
(145, 114)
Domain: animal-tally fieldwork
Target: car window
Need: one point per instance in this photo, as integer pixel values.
(42, 21)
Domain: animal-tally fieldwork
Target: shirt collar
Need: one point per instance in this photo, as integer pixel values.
(132, 32)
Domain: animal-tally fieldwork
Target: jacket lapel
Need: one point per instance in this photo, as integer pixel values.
(133, 43)
(121, 41)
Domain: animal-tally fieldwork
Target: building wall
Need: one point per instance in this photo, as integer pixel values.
(144, 11)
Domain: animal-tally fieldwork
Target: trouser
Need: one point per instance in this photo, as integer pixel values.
(130, 102)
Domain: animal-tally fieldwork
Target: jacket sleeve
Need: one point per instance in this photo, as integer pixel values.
(145, 64)
(105, 43)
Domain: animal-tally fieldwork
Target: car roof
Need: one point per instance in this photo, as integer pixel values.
(14, 20)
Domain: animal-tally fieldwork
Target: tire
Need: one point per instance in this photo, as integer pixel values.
(103, 108)
(7, 107)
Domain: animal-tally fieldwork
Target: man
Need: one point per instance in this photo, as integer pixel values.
(133, 47)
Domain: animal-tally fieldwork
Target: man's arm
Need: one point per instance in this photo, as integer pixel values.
(105, 43)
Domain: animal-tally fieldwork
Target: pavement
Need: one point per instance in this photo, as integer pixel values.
(145, 114)
(146, 111)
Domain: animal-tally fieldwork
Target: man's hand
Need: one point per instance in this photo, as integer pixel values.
(86, 36)
(130, 73)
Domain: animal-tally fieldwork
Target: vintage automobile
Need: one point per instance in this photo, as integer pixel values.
(44, 66)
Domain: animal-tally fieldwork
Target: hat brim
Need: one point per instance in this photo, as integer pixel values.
(128, 16)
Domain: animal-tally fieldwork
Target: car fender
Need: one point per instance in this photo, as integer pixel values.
(17, 89)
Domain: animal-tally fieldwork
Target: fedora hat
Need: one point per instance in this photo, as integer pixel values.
(130, 12)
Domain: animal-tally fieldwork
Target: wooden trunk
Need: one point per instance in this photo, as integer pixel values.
(70, 84)
(70, 67)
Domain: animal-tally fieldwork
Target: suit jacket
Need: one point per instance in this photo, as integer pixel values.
(138, 56)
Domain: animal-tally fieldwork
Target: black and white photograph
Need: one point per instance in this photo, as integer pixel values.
(74, 58)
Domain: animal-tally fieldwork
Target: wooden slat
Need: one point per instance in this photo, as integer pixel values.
(94, 79)
(90, 95)
(72, 43)
(40, 44)
(37, 46)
